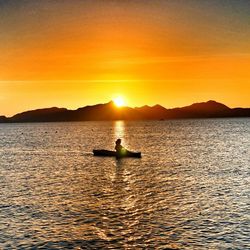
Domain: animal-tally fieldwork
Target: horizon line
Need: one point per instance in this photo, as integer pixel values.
(125, 106)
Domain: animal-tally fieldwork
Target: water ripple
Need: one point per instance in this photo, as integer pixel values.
(190, 190)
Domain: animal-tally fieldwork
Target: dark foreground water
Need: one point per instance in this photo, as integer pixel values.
(190, 190)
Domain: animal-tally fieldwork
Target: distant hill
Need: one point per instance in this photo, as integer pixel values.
(3, 119)
(201, 110)
(108, 111)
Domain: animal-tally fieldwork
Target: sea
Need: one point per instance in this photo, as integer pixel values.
(190, 189)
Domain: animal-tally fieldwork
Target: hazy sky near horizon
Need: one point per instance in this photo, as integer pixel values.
(73, 53)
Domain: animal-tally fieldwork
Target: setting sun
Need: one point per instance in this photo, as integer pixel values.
(119, 101)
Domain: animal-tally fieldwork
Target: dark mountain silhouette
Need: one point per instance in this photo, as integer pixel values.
(201, 110)
(3, 118)
(108, 111)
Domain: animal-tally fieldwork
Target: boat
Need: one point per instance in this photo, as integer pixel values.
(108, 153)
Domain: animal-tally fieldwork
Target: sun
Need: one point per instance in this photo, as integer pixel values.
(119, 101)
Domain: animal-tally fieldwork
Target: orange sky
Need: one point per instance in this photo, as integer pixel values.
(74, 53)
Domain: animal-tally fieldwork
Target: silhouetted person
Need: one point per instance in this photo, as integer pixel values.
(119, 148)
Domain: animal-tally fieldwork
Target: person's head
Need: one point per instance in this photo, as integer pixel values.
(118, 141)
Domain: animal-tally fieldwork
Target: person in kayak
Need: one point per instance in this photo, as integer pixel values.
(119, 148)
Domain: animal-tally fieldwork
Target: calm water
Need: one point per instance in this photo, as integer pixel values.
(190, 190)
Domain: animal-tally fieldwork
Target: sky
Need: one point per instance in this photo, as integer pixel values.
(171, 52)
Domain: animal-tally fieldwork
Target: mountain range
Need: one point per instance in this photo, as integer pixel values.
(109, 111)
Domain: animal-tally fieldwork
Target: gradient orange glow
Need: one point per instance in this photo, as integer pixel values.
(74, 53)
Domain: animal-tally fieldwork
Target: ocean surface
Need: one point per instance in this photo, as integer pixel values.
(190, 189)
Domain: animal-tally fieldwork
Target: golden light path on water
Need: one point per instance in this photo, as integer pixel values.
(119, 130)
(121, 175)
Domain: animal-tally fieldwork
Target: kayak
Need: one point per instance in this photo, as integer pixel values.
(127, 153)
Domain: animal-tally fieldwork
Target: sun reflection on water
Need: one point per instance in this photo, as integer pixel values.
(119, 130)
